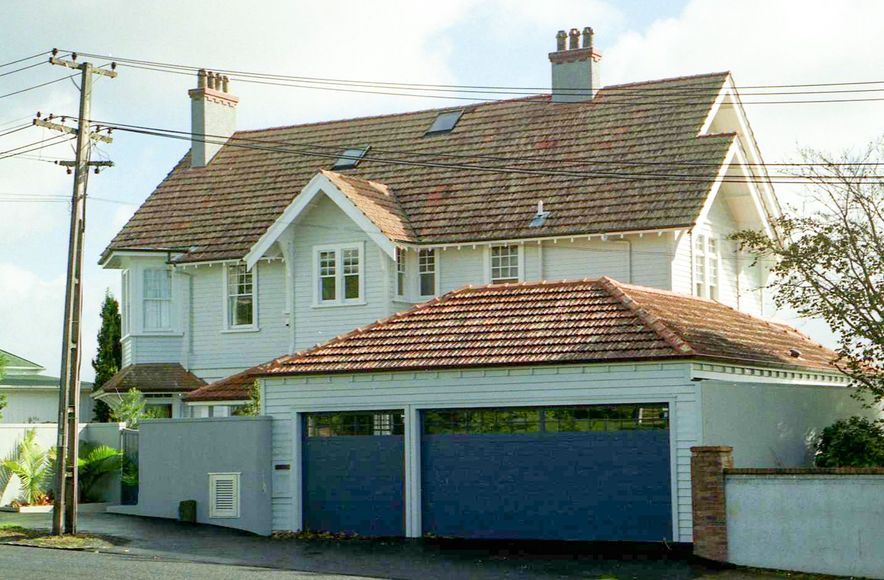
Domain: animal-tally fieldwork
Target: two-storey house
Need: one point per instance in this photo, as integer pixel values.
(527, 311)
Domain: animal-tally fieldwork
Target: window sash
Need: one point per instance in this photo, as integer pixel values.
(504, 264)
(339, 275)
(400, 272)
(706, 266)
(427, 272)
(240, 296)
(157, 298)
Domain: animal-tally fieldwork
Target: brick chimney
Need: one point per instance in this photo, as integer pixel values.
(212, 116)
(575, 67)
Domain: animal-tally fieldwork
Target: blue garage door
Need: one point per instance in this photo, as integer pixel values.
(594, 473)
(354, 473)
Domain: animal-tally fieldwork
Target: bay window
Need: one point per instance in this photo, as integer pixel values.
(157, 299)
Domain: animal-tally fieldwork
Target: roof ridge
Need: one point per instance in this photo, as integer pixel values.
(668, 79)
(655, 323)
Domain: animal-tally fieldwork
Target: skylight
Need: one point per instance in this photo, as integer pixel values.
(444, 122)
(350, 158)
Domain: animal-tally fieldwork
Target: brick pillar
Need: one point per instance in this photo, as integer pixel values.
(709, 505)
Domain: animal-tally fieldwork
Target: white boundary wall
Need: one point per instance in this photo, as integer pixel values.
(821, 523)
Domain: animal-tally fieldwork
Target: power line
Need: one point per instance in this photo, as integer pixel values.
(24, 59)
(30, 66)
(15, 130)
(37, 145)
(31, 88)
(284, 147)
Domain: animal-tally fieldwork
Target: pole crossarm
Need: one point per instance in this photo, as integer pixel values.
(71, 130)
(79, 66)
(90, 164)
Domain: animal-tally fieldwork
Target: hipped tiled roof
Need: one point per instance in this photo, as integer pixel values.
(599, 166)
(552, 323)
(152, 378)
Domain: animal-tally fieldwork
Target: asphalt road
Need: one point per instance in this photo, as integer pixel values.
(39, 564)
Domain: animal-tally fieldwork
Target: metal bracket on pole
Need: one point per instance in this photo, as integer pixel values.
(71, 130)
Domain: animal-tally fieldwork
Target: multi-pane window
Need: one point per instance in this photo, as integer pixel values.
(400, 272)
(157, 299)
(706, 266)
(240, 296)
(359, 423)
(351, 273)
(504, 264)
(339, 273)
(426, 262)
(328, 266)
(547, 419)
(125, 296)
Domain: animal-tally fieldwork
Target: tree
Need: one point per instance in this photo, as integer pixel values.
(2, 396)
(132, 408)
(33, 466)
(253, 407)
(855, 442)
(109, 357)
(829, 262)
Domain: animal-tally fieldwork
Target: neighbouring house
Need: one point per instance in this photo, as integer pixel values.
(562, 314)
(31, 396)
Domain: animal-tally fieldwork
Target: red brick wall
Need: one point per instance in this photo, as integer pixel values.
(708, 499)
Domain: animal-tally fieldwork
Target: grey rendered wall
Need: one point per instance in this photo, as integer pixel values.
(829, 524)
(177, 455)
(772, 425)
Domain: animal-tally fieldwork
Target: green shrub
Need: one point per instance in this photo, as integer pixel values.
(855, 442)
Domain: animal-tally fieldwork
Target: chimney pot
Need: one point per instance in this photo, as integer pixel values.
(212, 80)
(201, 79)
(561, 37)
(587, 37)
(575, 39)
(225, 82)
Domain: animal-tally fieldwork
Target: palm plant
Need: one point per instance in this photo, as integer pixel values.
(32, 466)
(95, 463)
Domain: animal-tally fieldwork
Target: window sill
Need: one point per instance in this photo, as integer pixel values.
(156, 333)
(337, 304)
(244, 329)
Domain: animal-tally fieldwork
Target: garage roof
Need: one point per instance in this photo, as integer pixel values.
(552, 323)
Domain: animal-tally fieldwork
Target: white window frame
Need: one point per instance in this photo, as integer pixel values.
(145, 300)
(339, 275)
(234, 477)
(706, 252)
(489, 263)
(401, 278)
(226, 326)
(435, 272)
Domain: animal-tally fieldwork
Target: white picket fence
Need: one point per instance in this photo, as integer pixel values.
(11, 435)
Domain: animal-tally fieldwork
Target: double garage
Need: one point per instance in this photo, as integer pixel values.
(579, 472)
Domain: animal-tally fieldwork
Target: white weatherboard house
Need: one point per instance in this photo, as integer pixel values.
(31, 396)
(504, 402)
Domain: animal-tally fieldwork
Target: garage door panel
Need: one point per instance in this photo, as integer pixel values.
(354, 483)
(560, 485)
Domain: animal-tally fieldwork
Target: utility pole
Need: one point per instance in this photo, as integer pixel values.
(66, 488)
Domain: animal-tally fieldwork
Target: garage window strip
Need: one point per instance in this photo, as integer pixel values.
(547, 420)
(377, 423)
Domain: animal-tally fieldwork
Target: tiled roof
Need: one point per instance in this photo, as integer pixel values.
(550, 323)
(595, 165)
(152, 378)
(377, 203)
(233, 388)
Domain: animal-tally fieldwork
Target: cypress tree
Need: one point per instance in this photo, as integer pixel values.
(109, 357)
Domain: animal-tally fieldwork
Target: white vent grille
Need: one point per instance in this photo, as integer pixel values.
(224, 495)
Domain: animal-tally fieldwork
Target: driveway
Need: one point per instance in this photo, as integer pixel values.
(159, 540)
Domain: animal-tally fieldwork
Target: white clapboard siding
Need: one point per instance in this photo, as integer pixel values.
(548, 385)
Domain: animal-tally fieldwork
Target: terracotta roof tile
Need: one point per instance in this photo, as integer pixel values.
(219, 211)
(548, 323)
(233, 388)
(152, 378)
(377, 203)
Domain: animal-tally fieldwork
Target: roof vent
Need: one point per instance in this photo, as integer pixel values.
(350, 158)
(444, 122)
(794, 353)
(539, 218)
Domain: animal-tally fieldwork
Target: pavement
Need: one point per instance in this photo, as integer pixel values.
(159, 548)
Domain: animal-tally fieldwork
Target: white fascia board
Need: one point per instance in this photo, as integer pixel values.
(736, 159)
(771, 375)
(216, 403)
(320, 184)
(112, 260)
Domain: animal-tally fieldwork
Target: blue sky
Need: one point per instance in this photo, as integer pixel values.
(490, 42)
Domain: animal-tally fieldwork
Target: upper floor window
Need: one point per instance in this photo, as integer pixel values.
(339, 274)
(426, 262)
(124, 314)
(157, 299)
(400, 272)
(240, 297)
(504, 264)
(706, 266)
